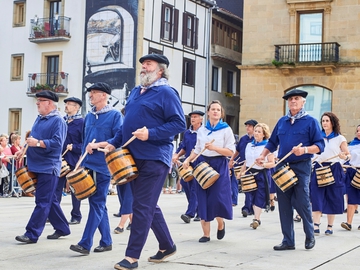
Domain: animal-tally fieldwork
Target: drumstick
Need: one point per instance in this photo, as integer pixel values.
(131, 139)
(249, 167)
(103, 150)
(65, 152)
(202, 151)
(329, 159)
(82, 158)
(349, 166)
(288, 154)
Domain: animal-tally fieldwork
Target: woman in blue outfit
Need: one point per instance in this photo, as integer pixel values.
(329, 199)
(260, 196)
(215, 201)
(353, 193)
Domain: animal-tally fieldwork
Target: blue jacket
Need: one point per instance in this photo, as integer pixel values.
(159, 110)
(305, 130)
(74, 137)
(52, 131)
(188, 143)
(102, 129)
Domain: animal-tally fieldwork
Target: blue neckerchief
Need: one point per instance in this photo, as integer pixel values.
(103, 110)
(52, 113)
(72, 117)
(330, 136)
(300, 114)
(161, 81)
(255, 143)
(219, 126)
(355, 141)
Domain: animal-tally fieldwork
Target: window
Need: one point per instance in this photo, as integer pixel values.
(52, 70)
(215, 79)
(190, 31)
(19, 13)
(189, 72)
(169, 23)
(15, 120)
(152, 50)
(226, 36)
(318, 101)
(17, 66)
(230, 82)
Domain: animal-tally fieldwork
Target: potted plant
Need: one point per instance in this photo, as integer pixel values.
(37, 31)
(61, 32)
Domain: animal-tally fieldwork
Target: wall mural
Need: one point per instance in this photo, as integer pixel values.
(110, 46)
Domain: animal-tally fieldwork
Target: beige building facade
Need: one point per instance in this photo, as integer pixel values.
(308, 44)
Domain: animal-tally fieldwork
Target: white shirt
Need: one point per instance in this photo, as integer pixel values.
(332, 148)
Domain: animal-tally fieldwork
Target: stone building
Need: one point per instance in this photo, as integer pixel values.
(308, 44)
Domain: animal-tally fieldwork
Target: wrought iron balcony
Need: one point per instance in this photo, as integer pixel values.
(327, 52)
(50, 29)
(56, 82)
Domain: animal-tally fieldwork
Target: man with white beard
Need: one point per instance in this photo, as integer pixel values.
(153, 114)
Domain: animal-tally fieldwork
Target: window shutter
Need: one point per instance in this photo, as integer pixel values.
(162, 26)
(176, 25)
(184, 29)
(196, 33)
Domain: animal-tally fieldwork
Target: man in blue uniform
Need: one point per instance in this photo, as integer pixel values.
(292, 129)
(101, 124)
(44, 159)
(72, 146)
(185, 147)
(153, 114)
(239, 156)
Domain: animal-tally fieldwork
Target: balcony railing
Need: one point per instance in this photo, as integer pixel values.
(49, 29)
(56, 82)
(307, 52)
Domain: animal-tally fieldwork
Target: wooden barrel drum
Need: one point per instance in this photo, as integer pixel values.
(27, 180)
(284, 178)
(205, 175)
(324, 176)
(186, 174)
(81, 183)
(248, 183)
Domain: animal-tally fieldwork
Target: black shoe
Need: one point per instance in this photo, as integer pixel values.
(283, 246)
(116, 215)
(125, 265)
(244, 213)
(102, 249)
(118, 230)
(55, 235)
(186, 218)
(197, 218)
(128, 227)
(160, 256)
(346, 226)
(221, 233)
(272, 208)
(24, 239)
(73, 221)
(204, 239)
(80, 249)
(309, 243)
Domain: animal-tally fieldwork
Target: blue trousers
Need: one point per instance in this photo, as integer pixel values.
(47, 206)
(125, 198)
(234, 188)
(75, 212)
(190, 192)
(146, 213)
(98, 215)
(297, 197)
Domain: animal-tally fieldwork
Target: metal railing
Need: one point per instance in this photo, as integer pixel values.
(57, 82)
(50, 27)
(307, 52)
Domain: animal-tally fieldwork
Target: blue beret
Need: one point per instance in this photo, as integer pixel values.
(100, 86)
(295, 92)
(197, 112)
(74, 99)
(251, 122)
(48, 94)
(162, 59)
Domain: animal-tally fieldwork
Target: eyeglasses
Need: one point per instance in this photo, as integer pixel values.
(40, 100)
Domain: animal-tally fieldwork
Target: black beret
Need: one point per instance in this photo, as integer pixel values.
(251, 122)
(100, 86)
(197, 112)
(162, 59)
(295, 92)
(48, 94)
(74, 99)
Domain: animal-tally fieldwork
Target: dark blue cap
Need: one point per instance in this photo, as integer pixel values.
(48, 94)
(74, 99)
(155, 57)
(251, 122)
(197, 112)
(100, 86)
(295, 92)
